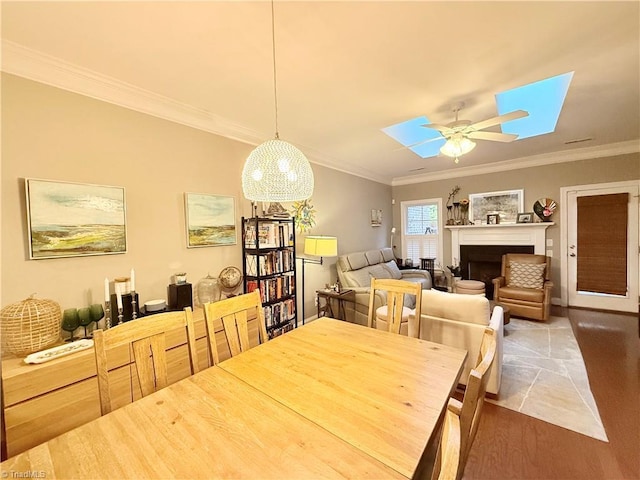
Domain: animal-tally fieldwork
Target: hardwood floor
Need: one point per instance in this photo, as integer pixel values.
(510, 445)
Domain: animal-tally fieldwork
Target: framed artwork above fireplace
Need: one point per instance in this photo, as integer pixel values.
(506, 203)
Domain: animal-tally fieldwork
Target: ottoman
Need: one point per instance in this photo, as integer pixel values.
(470, 287)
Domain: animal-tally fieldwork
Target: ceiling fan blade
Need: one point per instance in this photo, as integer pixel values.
(424, 141)
(490, 122)
(441, 128)
(493, 136)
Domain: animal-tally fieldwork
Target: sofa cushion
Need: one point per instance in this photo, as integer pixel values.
(382, 312)
(379, 271)
(353, 261)
(373, 257)
(392, 266)
(526, 275)
(522, 294)
(357, 278)
(387, 254)
(456, 306)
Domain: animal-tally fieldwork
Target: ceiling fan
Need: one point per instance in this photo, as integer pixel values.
(461, 133)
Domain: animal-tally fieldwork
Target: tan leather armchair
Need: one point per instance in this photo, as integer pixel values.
(524, 285)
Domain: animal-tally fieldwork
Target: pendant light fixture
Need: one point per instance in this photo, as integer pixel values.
(457, 146)
(276, 171)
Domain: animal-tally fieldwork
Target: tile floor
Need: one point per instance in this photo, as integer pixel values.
(544, 376)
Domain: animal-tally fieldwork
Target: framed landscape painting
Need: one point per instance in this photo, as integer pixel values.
(74, 219)
(211, 220)
(507, 204)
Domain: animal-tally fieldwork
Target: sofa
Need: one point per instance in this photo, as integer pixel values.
(355, 271)
(459, 320)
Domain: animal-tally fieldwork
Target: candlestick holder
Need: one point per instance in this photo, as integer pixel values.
(134, 314)
(107, 314)
(120, 316)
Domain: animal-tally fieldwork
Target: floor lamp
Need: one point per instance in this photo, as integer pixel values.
(317, 246)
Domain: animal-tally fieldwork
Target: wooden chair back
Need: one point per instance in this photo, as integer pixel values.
(234, 313)
(395, 291)
(447, 463)
(146, 340)
(470, 409)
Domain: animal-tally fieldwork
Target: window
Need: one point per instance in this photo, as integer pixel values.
(422, 230)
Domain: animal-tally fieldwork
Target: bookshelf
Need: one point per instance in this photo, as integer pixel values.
(269, 264)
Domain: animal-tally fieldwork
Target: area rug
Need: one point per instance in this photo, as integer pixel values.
(544, 376)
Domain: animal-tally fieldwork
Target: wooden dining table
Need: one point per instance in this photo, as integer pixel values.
(327, 400)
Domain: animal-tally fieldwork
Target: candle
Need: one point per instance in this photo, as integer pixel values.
(118, 297)
(133, 280)
(107, 298)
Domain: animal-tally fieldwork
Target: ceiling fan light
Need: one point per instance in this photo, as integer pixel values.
(272, 184)
(456, 147)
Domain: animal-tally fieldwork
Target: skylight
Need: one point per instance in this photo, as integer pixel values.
(426, 141)
(543, 100)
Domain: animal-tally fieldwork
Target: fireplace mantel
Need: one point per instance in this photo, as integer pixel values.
(505, 234)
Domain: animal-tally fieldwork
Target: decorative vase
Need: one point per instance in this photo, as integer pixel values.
(450, 215)
(456, 213)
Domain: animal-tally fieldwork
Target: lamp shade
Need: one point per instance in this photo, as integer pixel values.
(457, 146)
(276, 171)
(321, 246)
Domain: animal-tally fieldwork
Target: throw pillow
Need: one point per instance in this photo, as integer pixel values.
(378, 271)
(392, 266)
(526, 275)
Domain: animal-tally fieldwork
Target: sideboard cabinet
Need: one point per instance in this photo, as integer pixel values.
(45, 400)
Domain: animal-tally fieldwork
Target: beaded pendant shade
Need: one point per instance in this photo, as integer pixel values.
(276, 171)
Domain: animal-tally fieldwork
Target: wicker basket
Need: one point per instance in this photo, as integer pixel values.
(30, 325)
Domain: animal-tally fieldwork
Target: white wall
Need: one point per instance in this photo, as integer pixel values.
(537, 182)
(53, 134)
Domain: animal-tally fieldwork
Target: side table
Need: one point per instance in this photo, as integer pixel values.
(326, 309)
(507, 312)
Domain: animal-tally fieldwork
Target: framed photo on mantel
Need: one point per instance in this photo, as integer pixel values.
(506, 204)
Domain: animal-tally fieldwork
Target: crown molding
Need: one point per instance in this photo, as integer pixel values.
(34, 65)
(37, 66)
(587, 153)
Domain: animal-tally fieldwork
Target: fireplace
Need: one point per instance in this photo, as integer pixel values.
(483, 262)
(490, 242)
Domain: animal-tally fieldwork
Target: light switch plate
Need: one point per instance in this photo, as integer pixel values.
(549, 242)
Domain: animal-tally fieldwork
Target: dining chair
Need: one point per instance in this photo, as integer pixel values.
(394, 313)
(234, 313)
(470, 409)
(447, 461)
(146, 340)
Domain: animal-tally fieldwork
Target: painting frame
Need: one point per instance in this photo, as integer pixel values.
(506, 203)
(72, 219)
(210, 220)
(493, 219)
(376, 217)
(525, 217)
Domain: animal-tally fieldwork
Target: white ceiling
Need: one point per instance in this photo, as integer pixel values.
(345, 70)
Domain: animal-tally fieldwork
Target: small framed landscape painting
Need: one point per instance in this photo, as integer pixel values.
(525, 217)
(210, 219)
(74, 219)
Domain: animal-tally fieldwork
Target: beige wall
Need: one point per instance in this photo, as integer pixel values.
(53, 134)
(537, 182)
